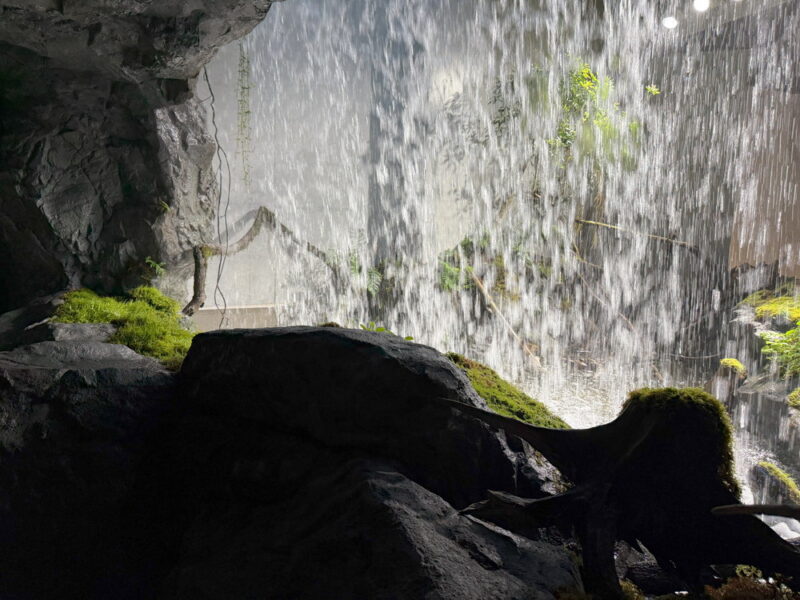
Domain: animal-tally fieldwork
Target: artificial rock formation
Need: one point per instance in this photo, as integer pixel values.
(325, 462)
(105, 161)
(292, 463)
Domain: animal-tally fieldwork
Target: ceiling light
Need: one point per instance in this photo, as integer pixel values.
(670, 22)
(701, 5)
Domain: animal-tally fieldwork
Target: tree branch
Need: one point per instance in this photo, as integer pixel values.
(776, 510)
(496, 309)
(652, 236)
(263, 218)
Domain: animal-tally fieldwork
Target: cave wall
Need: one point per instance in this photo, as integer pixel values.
(105, 161)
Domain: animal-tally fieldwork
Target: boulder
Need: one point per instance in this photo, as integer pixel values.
(15, 324)
(267, 515)
(349, 388)
(74, 421)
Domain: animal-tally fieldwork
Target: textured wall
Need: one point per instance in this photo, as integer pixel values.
(104, 157)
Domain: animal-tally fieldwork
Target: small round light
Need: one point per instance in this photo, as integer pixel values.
(670, 22)
(701, 5)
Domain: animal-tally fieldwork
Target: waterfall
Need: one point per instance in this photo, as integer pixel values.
(550, 188)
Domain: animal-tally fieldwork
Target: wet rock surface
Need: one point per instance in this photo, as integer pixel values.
(291, 463)
(759, 403)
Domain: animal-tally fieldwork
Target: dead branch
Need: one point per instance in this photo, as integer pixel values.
(199, 289)
(652, 236)
(264, 218)
(496, 309)
(776, 510)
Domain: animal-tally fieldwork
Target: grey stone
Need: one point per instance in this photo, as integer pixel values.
(16, 324)
(104, 160)
(80, 332)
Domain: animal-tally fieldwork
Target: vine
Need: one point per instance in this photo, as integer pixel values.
(243, 114)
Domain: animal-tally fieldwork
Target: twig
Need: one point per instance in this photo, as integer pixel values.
(652, 236)
(656, 371)
(580, 258)
(490, 301)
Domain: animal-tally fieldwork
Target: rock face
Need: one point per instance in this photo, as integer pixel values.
(292, 463)
(74, 419)
(104, 157)
(759, 404)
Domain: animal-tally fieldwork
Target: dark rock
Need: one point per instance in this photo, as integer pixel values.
(347, 388)
(15, 324)
(641, 568)
(279, 516)
(74, 420)
(316, 463)
(134, 40)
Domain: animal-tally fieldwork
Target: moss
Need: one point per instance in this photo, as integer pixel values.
(748, 588)
(503, 398)
(785, 305)
(734, 365)
(787, 483)
(147, 321)
(783, 301)
(156, 299)
(330, 324)
(631, 590)
(793, 399)
(784, 348)
(697, 431)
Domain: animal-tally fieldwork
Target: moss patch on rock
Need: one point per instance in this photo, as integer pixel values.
(147, 321)
(793, 399)
(750, 588)
(734, 365)
(503, 398)
(699, 433)
(786, 482)
(783, 301)
(784, 348)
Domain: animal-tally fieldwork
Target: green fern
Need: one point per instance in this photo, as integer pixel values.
(374, 280)
(156, 267)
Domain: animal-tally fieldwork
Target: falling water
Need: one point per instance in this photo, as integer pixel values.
(439, 178)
